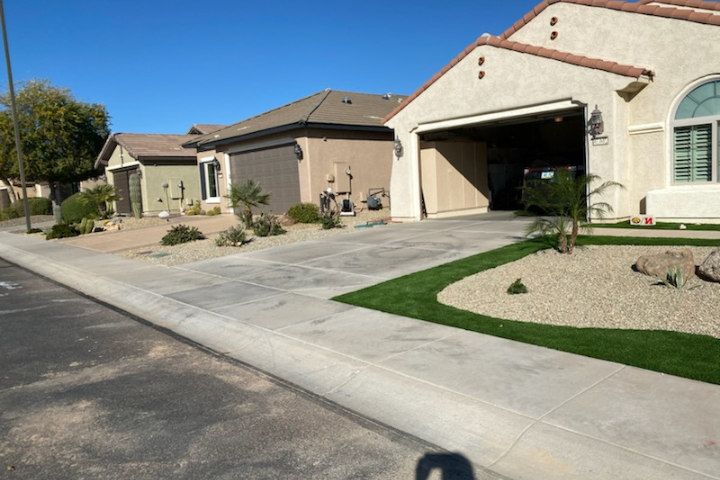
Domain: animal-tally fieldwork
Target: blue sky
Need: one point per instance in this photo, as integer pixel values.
(161, 65)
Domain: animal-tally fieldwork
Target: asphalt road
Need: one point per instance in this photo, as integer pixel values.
(87, 392)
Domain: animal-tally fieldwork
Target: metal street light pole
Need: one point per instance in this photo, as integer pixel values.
(21, 166)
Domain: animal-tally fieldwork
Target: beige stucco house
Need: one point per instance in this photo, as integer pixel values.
(524, 100)
(331, 139)
(168, 171)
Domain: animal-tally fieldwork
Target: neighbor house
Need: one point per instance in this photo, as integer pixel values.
(330, 140)
(167, 171)
(628, 91)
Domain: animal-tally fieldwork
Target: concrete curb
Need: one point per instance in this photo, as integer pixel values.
(507, 442)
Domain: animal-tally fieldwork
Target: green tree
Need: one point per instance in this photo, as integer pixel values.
(101, 196)
(564, 202)
(250, 194)
(60, 136)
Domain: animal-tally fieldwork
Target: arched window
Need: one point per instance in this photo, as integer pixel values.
(696, 136)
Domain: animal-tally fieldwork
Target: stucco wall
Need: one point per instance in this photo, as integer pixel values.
(513, 83)
(154, 198)
(681, 54)
(367, 154)
(638, 127)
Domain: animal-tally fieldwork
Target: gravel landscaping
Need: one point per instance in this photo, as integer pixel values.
(594, 287)
(207, 249)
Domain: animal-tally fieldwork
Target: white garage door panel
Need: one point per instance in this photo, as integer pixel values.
(276, 169)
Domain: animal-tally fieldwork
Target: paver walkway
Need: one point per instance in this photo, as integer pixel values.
(519, 410)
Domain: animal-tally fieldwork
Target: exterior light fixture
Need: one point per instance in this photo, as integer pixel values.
(216, 164)
(398, 148)
(298, 152)
(595, 125)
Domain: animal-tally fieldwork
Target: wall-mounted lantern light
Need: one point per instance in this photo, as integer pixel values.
(298, 151)
(216, 164)
(595, 125)
(398, 148)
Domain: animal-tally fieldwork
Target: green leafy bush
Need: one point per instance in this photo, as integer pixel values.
(267, 226)
(62, 230)
(517, 287)
(8, 214)
(36, 205)
(181, 234)
(74, 209)
(330, 221)
(232, 237)
(213, 211)
(304, 213)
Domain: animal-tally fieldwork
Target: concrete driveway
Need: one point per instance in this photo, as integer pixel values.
(519, 410)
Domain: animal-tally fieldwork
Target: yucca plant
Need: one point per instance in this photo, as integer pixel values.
(565, 202)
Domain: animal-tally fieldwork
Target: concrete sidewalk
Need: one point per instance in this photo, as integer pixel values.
(518, 410)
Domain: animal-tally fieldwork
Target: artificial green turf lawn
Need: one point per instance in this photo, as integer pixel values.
(658, 226)
(682, 354)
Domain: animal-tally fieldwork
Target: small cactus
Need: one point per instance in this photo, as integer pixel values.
(57, 214)
(135, 195)
(86, 226)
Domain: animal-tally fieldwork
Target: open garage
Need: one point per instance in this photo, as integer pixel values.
(482, 166)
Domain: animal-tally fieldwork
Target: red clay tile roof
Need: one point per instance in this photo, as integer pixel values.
(579, 60)
(646, 7)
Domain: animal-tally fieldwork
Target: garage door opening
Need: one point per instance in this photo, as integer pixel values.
(478, 167)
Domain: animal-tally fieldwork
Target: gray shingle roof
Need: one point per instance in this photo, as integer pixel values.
(148, 146)
(204, 128)
(325, 108)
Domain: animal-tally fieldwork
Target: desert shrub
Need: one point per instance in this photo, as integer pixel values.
(267, 226)
(37, 206)
(213, 211)
(330, 221)
(62, 230)
(232, 237)
(195, 209)
(181, 234)
(35, 230)
(517, 287)
(74, 209)
(8, 214)
(304, 213)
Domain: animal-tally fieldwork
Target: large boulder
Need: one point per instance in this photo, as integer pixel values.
(710, 268)
(658, 265)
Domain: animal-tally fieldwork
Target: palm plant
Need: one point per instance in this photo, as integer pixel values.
(250, 194)
(101, 196)
(565, 202)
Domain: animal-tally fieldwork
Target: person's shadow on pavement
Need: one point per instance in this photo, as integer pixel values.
(453, 466)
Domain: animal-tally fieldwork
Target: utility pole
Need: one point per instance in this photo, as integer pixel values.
(16, 126)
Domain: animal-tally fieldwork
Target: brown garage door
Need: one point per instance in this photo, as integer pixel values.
(121, 179)
(276, 169)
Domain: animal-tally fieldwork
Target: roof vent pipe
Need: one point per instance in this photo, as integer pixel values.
(346, 99)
